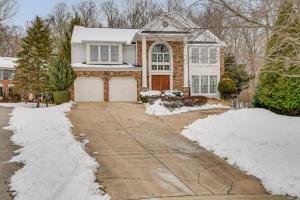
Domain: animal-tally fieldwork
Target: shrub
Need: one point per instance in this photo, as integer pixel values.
(173, 93)
(194, 101)
(144, 99)
(227, 88)
(61, 97)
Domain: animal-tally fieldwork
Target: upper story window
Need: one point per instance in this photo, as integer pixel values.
(160, 58)
(6, 74)
(204, 55)
(105, 54)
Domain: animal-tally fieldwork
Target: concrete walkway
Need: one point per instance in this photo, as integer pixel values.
(6, 152)
(145, 157)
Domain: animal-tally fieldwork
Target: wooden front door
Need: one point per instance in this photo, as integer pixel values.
(160, 82)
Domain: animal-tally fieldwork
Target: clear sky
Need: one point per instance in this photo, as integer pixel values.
(28, 9)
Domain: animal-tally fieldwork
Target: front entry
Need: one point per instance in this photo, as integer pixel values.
(160, 82)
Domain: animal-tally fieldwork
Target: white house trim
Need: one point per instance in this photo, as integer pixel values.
(160, 72)
(144, 60)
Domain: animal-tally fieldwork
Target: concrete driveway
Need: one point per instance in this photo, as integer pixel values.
(145, 157)
(6, 152)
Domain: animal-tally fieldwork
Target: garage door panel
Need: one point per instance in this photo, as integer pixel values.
(88, 89)
(122, 89)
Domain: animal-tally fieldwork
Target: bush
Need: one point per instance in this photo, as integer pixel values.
(61, 97)
(194, 101)
(227, 88)
(144, 99)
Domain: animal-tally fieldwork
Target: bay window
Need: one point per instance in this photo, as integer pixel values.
(105, 54)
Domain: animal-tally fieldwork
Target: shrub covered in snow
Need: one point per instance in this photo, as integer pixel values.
(144, 96)
(172, 93)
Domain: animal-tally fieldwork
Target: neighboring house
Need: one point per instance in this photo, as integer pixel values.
(169, 53)
(7, 70)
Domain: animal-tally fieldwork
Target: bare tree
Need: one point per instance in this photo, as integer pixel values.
(112, 14)
(9, 40)
(60, 18)
(88, 13)
(7, 9)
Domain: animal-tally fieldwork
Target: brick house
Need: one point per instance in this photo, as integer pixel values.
(7, 70)
(169, 53)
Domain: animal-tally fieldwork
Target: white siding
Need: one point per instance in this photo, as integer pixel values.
(205, 70)
(129, 54)
(78, 53)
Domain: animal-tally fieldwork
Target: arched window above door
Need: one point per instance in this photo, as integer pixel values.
(160, 58)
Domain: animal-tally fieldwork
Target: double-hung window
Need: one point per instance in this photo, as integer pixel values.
(204, 55)
(204, 84)
(213, 84)
(195, 84)
(105, 54)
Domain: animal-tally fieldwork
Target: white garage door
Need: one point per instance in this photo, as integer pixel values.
(122, 89)
(88, 89)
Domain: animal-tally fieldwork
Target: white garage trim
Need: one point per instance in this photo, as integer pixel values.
(122, 89)
(88, 89)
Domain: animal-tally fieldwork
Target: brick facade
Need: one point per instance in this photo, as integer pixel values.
(222, 61)
(106, 76)
(178, 60)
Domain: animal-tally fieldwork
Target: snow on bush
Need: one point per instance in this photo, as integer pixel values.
(260, 142)
(157, 108)
(150, 93)
(172, 93)
(56, 166)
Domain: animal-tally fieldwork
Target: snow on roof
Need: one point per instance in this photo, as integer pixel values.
(7, 62)
(83, 34)
(105, 67)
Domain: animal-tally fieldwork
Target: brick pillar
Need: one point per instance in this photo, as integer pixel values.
(222, 61)
(106, 89)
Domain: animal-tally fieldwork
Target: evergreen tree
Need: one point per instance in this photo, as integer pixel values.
(278, 89)
(236, 72)
(33, 59)
(61, 74)
(65, 46)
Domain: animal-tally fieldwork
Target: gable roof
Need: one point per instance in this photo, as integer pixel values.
(176, 22)
(83, 34)
(205, 37)
(7, 62)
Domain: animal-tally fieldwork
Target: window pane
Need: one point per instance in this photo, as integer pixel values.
(160, 48)
(204, 84)
(154, 67)
(204, 55)
(104, 53)
(154, 57)
(213, 84)
(195, 84)
(1, 92)
(166, 57)
(94, 52)
(195, 55)
(213, 55)
(160, 67)
(114, 53)
(1, 74)
(160, 58)
(167, 67)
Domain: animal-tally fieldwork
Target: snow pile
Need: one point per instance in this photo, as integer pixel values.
(56, 167)
(258, 141)
(23, 105)
(150, 93)
(158, 109)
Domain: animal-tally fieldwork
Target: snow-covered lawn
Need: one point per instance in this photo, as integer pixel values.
(158, 109)
(56, 166)
(258, 141)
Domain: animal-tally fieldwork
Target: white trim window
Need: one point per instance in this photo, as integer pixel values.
(104, 54)
(213, 85)
(6, 74)
(160, 58)
(204, 84)
(204, 55)
(1, 74)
